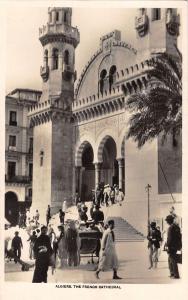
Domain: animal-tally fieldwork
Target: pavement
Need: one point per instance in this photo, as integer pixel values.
(133, 268)
(133, 265)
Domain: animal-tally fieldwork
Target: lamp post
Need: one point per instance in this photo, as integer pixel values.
(148, 187)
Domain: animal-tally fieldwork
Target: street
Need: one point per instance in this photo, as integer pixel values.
(133, 261)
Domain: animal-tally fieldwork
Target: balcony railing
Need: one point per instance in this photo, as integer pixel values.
(12, 148)
(13, 123)
(18, 179)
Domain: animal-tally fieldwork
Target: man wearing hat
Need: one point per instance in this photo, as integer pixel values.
(154, 239)
(42, 252)
(83, 214)
(16, 246)
(173, 245)
(98, 215)
(108, 257)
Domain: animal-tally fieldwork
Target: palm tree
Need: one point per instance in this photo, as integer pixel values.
(157, 109)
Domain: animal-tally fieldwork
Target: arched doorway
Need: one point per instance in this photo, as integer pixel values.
(109, 166)
(88, 173)
(11, 208)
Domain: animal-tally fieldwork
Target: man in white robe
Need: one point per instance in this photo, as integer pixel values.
(108, 257)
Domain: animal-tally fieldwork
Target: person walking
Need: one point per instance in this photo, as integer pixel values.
(61, 216)
(108, 257)
(48, 215)
(42, 251)
(106, 192)
(61, 247)
(32, 240)
(120, 197)
(112, 195)
(173, 244)
(36, 217)
(71, 241)
(154, 239)
(16, 246)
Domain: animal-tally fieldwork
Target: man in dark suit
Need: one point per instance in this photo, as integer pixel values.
(16, 246)
(173, 245)
(42, 252)
(98, 215)
(154, 238)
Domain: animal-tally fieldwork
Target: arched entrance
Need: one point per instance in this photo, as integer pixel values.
(85, 171)
(11, 208)
(109, 164)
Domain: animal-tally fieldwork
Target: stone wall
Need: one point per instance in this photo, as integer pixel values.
(62, 162)
(42, 174)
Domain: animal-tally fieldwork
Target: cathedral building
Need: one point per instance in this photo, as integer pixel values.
(79, 133)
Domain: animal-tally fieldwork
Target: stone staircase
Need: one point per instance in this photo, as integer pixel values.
(124, 232)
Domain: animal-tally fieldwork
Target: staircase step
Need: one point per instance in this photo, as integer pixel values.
(125, 232)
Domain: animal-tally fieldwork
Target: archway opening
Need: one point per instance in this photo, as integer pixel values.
(102, 81)
(109, 166)
(112, 77)
(88, 173)
(11, 208)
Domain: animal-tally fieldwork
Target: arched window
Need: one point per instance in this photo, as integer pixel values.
(112, 77)
(41, 157)
(65, 17)
(55, 58)
(46, 58)
(66, 57)
(101, 81)
(156, 14)
(57, 16)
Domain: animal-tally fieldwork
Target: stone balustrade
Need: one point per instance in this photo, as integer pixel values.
(59, 29)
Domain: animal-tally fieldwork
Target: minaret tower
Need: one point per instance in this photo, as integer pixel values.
(157, 31)
(51, 117)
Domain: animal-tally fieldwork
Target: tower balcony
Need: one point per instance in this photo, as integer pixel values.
(44, 72)
(141, 24)
(55, 30)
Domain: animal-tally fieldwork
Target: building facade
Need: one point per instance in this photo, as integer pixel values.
(80, 134)
(18, 152)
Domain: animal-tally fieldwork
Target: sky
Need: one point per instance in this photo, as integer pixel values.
(24, 54)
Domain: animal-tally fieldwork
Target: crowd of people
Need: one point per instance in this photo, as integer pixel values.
(108, 195)
(59, 245)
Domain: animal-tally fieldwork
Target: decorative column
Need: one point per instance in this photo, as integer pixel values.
(120, 170)
(97, 173)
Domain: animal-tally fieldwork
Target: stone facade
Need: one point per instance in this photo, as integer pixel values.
(80, 135)
(112, 74)
(52, 116)
(18, 152)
